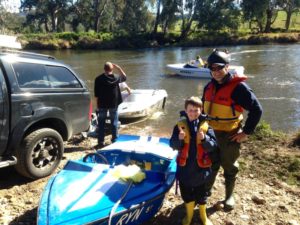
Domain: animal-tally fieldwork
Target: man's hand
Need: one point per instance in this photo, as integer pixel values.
(239, 137)
(115, 66)
(200, 134)
(181, 134)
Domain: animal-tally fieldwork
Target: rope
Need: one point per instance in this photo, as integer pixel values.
(176, 186)
(116, 205)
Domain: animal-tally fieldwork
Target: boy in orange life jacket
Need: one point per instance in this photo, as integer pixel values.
(195, 140)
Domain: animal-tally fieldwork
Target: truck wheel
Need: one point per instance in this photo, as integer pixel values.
(40, 153)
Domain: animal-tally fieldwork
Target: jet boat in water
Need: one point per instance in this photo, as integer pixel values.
(199, 72)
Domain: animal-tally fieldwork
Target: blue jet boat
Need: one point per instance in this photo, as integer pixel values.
(87, 192)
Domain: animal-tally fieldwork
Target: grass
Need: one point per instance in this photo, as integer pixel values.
(263, 131)
(281, 18)
(279, 24)
(296, 140)
(270, 154)
(290, 170)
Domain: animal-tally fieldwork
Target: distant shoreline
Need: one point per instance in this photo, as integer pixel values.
(68, 40)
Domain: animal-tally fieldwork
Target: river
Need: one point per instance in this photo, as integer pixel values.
(272, 70)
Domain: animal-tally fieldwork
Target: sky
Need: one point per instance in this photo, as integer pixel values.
(11, 5)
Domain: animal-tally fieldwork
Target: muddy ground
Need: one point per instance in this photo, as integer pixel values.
(262, 198)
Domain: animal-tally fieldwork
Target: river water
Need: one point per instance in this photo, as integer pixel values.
(272, 70)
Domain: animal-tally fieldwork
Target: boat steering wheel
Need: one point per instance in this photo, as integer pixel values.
(94, 157)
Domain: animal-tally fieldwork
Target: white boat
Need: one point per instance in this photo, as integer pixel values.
(199, 72)
(9, 42)
(141, 103)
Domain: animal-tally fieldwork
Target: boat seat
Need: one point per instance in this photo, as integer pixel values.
(149, 165)
(155, 175)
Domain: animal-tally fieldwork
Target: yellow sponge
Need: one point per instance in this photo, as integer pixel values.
(127, 173)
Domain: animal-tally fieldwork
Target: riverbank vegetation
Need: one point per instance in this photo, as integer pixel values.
(107, 24)
(271, 153)
(91, 40)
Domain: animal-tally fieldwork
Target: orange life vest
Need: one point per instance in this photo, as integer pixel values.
(218, 105)
(203, 159)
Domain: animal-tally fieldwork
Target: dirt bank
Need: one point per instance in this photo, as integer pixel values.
(262, 198)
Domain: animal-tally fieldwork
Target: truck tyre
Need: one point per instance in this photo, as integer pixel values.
(39, 153)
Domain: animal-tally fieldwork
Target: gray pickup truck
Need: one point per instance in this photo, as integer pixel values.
(42, 103)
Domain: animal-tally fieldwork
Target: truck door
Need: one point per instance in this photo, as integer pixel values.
(4, 116)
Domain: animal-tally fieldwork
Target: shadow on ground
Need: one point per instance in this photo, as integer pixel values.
(174, 216)
(26, 219)
(10, 178)
(74, 149)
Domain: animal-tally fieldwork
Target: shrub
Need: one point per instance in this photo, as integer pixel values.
(290, 38)
(262, 131)
(294, 165)
(69, 36)
(296, 140)
(88, 43)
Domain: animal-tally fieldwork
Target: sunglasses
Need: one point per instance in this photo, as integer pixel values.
(216, 68)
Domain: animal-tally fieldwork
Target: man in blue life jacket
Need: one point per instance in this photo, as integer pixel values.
(225, 98)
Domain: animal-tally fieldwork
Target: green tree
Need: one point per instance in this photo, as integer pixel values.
(290, 7)
(187, 10)
(157, 18)
(47, 11)
(97, 15)
(81, 14)
(168, 14)
(99, 9)
(136, 17)
(9, 22)
(3, 16)
(261, 12)
(272, 12)
(215, 15)
(112, 19)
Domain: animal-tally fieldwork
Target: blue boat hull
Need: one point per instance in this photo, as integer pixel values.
(85, 191)
(135, 215)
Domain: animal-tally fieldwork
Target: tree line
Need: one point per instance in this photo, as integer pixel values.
(146, 16)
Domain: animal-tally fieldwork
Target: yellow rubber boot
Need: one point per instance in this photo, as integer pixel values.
(189, 207)
(203, 216)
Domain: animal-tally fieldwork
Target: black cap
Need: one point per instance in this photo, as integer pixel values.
(218, 57)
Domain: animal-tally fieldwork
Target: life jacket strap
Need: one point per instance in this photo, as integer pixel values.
(220, 119)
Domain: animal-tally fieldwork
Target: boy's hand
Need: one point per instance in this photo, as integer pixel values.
(181, 134)
(200, 134)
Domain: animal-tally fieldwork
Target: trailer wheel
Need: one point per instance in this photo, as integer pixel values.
(39, 153)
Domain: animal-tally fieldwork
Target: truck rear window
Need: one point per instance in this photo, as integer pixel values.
(44, 76)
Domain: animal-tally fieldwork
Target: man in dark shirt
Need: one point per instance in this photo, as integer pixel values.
(108, 97)
(225, 98)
